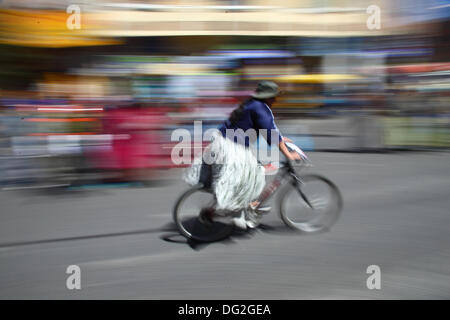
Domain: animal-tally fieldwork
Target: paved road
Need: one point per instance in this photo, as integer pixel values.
(396, 215)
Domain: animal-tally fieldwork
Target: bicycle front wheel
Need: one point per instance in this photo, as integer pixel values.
(196, 218)
(311, 206)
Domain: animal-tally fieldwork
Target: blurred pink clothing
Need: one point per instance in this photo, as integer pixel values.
(136, 139)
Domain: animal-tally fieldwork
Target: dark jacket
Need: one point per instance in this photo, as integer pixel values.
(256, 115)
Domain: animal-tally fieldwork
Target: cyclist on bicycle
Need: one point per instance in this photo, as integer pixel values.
(234, 174)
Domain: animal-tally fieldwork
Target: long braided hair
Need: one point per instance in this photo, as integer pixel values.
(236, 115)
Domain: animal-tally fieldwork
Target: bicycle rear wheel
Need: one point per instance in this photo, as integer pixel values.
(312, 206)
(188, 211)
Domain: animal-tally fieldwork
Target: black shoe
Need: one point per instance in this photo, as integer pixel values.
(206, 215)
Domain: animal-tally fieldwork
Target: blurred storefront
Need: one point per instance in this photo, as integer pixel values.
(349, 81)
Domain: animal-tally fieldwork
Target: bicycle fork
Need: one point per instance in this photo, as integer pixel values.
(297, 182)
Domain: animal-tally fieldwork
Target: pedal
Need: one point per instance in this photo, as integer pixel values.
(263, 210)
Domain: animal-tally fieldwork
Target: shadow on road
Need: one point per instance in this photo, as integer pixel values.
(174, 236)
(199, 245)
(233, 238)
(168, 227)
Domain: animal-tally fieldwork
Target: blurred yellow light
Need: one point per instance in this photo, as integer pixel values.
(317, 78)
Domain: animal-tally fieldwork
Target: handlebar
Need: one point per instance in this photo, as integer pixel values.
(304, 162)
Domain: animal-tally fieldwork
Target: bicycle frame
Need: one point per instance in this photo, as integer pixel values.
(286, 169)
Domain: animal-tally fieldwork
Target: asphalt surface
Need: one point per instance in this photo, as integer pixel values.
(396, 215)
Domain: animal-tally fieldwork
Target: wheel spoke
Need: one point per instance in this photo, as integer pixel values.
(192, 220)
(315, 207)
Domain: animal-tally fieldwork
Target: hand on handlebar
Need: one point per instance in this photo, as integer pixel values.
(294, 156)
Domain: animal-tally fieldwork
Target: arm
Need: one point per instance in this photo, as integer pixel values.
(290, 155)
(264, 120)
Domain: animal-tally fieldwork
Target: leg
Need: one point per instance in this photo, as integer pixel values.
(206, 175)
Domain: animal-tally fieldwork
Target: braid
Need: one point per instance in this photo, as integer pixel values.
(237, 113)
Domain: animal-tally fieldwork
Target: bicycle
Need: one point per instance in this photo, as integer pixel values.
(205, 223)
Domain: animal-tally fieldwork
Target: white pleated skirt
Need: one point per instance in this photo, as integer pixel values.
(237, 178)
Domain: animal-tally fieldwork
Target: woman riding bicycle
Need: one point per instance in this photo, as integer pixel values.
(228, 166)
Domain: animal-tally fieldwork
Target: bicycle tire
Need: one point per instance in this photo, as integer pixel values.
(309, 226)
(204, 233)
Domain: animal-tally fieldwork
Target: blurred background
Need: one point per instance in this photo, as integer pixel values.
(98, 103)
(90, 92)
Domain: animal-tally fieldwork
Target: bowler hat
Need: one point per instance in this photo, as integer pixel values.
(266, 90)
